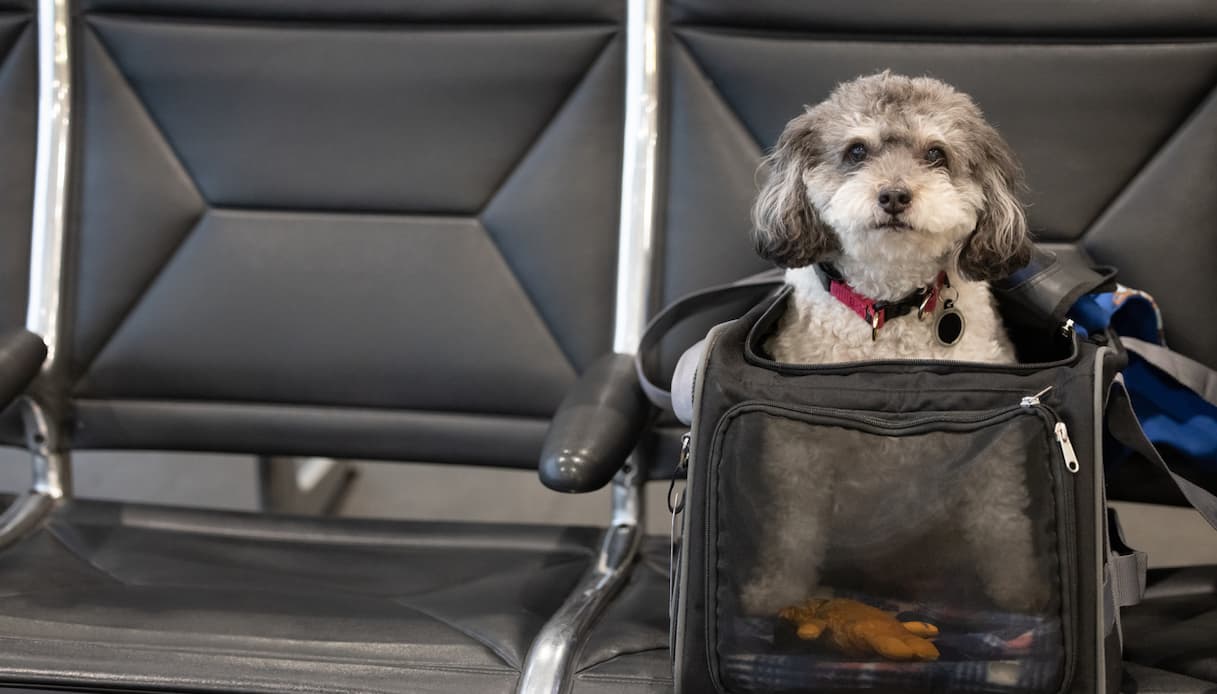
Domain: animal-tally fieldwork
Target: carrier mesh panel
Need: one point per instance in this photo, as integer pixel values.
(903, 553)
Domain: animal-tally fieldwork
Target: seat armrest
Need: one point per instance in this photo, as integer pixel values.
(21, 356)
(596, 427)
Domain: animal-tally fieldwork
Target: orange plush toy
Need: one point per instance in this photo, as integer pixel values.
(857, 629)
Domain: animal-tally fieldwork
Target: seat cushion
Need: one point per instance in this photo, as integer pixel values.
(1139, 679)
(627, 650)
(1175, 627)
(127, 595)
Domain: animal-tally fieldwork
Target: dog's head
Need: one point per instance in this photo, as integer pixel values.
(892, 167)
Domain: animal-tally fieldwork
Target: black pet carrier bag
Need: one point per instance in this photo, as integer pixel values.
(899, 526)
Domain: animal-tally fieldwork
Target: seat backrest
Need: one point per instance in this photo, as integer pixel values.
(367, 229)
(18, 116)
(18, 107)
(1113, 113)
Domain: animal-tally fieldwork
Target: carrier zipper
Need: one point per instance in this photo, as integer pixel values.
(677, 506)
(1059, 431)
(1062, 439)
(1068, 543)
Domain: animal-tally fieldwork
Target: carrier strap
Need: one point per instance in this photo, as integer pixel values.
(646, 358)
(1189, 373)
(1124, 427)
(1128, 566)
(1043, 291)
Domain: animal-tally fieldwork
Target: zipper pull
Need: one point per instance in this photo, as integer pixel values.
(1034, 400)
(1062, 440)
(676, 503)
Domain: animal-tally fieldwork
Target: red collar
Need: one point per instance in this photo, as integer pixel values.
(877, 313)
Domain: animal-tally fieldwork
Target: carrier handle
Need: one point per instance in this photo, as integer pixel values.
(1043, 291)
(689, 305)
(1046, 288)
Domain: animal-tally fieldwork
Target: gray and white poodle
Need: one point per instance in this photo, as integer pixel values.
(892, 203)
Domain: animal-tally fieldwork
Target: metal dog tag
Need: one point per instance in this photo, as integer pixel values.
(949, 326)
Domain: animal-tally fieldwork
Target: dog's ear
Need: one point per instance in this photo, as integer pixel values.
(786, 228)
(1000, 244)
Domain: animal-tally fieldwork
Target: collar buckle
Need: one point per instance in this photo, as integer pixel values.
(925, 302)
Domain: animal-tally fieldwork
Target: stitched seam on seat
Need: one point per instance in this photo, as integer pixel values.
(352, 539)
(57, 534)
(485, 641)
(625, 679)
(660, 568)
(474, 634)
(964, 38)
(537, 139)
(83, 366)
(21, 18)
(237, 404)
(1155, 156)
(615, 656)
(246, 653)
(370, 24)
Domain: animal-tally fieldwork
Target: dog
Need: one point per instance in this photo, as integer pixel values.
(892, 204)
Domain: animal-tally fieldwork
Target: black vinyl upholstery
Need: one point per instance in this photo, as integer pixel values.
(18, 113)
(192, 600)
(386, 232)
(1174, 627)
(628, 649)
(369, 229)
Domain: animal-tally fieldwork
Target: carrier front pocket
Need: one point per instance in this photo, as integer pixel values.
(859, 551)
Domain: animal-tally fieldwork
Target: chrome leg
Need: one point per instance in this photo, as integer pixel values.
(639, 174)
(50, 176)
(550, 664)
(51, 476)
(50, 462)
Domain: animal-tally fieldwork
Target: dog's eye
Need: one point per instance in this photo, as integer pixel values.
(934, 156)
(856, 153)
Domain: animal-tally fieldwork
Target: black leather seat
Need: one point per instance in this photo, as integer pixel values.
(375, 229)
(18, 92)
(1175, 627)
(18, 99)
(1114, 115)
(179, 599)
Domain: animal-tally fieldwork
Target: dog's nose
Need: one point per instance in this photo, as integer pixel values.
(895, 200)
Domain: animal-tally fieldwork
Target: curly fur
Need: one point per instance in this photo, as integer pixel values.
(819, 204)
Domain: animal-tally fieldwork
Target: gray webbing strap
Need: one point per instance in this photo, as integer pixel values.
(1187, 372)
(1128, 575)
(686, 307)
(1127, 566)
(1111, 612)
(1123, 425)
(1123, 574)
